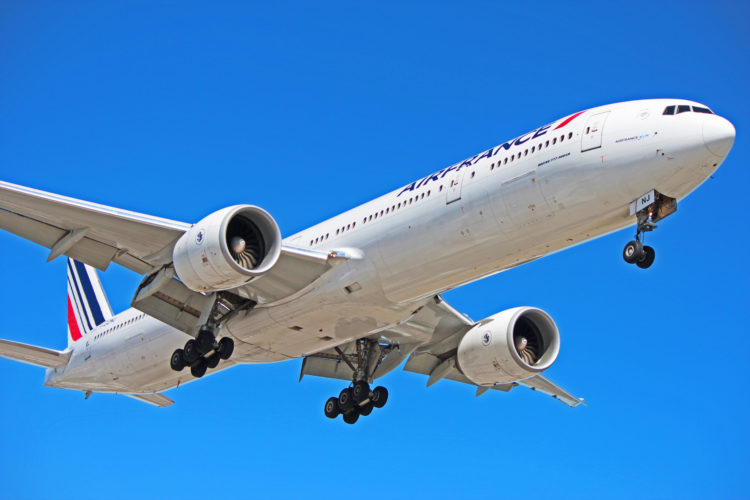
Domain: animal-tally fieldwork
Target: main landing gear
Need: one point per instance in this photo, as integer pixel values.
(649, 209)
(359, 399)
(355, 401)
(196, 355)
(205, 350)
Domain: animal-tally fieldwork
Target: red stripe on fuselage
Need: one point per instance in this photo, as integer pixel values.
(75, 332)
(569, 119)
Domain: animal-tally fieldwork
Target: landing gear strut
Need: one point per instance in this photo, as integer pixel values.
(205, 350)
(649, 209)
(358, 399)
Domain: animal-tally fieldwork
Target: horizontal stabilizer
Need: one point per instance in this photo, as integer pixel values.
(33, 355)
(156, 399)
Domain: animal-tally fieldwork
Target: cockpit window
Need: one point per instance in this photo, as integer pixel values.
(684, 108)
(698, 109)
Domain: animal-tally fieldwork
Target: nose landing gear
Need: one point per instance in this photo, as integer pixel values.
(649, 209)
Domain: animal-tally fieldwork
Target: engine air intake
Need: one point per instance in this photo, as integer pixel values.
(245, 242)
(528, 340)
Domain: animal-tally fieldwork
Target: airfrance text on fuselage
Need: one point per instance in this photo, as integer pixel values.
(476, 158)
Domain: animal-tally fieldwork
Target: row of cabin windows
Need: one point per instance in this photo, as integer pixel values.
(374, 216)
(397, 206)
(117, 327)
(400, 205)
(527, 151)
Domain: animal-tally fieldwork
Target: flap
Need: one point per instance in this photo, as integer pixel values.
(34, 355)
(98, 234)
(331, 364)
(156, 399)
(546, 386)
(167, 299)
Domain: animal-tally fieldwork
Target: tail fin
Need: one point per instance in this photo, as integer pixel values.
(87, 304)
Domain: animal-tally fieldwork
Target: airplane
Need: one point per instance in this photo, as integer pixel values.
(359, 294)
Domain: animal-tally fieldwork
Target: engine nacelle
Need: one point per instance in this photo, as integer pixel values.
(511, 345)
(227, 249)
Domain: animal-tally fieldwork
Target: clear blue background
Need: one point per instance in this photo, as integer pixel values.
(177, 109)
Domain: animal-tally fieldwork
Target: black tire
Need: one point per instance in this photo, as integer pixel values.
(198, 369)
(379, 396)
(226, 348)
(205, 340)
(178, 360)
(633, 252)
(346, 401)
(366, 409)
(351, 417)
(213, 360)
(648, 258)
(191, 352)
(360, 391)
(331, 408)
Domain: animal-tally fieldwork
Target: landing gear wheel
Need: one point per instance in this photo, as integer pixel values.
(226, 347)
(178, 360)
(360, 391)
(633, 252)
(191, 352)
(331, 408)
(213, 360)
(366, 409)
(648, 258)
(346, 401)
(351, 417)
(198, 369)
(205, 340)
(379, 396)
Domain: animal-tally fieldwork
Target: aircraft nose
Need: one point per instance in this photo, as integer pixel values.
(718, 135)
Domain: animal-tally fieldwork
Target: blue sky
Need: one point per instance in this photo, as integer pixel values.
(177, 109)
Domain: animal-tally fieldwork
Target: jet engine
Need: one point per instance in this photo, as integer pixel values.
(227, 249)
(511, 345)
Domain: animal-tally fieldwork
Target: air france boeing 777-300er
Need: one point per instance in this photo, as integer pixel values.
(357, 295)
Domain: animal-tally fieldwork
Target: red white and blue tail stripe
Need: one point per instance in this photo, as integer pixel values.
(88, 306)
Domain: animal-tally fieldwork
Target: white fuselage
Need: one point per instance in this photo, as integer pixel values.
(553, 188)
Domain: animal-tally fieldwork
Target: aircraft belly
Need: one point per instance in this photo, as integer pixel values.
(312, 323)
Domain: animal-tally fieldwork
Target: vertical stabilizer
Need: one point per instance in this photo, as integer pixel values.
(88, 306)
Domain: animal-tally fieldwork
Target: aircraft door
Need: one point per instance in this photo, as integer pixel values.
(592, 134)
(455, 180)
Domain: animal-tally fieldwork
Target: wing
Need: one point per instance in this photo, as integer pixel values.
(98, 234)
(430, 340)
(33, 355)
(87, 232)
